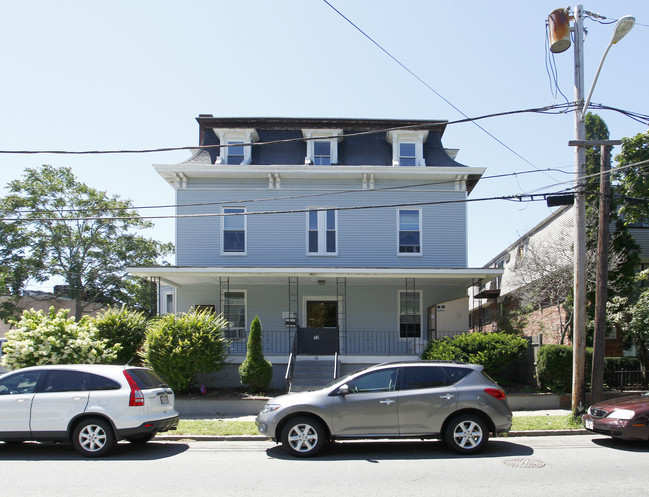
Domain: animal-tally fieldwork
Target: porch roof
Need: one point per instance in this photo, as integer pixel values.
(209, 275)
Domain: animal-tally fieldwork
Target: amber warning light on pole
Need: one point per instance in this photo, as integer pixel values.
(559, 27)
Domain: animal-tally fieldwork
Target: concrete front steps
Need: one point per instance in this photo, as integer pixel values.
(311, 374)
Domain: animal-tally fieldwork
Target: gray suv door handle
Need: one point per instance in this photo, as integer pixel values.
(387, 401)
(448, 396)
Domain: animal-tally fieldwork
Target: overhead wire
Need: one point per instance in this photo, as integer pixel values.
(523, 197)
(418, 78)
(548, 109)
(311, 195)
(519, 197)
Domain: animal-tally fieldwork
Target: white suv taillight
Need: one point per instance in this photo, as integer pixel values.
(137, 397)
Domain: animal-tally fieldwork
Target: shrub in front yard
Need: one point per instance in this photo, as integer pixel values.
(492, 350)
(125, 327)
(256, 371)
(180, 346)
(54, 338)
(554, 367)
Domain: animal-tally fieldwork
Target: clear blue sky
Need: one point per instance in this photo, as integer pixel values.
(86, 75)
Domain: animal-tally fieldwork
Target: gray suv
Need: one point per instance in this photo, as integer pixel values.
(421, 399)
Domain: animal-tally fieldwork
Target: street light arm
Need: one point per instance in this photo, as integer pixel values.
(622, 28)
(584, 109)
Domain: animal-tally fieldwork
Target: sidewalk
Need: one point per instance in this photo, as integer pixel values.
(169, 436)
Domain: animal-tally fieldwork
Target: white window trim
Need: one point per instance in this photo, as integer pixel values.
(245, 231)
(312, 135)
(242, 333)
(245, 135)
(421, 233)
(164, 301)
(322, 232)
(422, 332)
(418, 137)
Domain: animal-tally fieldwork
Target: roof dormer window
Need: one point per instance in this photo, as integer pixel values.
(407, 154)
(407, 147)
(236, 152)
(322, 153)
(322, 146)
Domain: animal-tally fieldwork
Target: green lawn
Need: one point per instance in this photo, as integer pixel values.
(228, 427)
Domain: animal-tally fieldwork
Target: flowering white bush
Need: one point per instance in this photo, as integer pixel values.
(54, 338)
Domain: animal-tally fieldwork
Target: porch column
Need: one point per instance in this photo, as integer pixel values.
(293, 307)
(341, 299)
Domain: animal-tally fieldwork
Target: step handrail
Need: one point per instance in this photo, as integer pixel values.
(336, 365)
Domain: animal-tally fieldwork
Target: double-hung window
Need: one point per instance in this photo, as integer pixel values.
(235, 152)
(409, 236)
(407, 147)
(322, 230)
(410, 314)
(407, 154)
(322, 153)
(322, 146)
(234, 230)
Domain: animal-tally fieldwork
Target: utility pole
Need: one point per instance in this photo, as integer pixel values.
(579, 314)
(599, 341)
(559, 24)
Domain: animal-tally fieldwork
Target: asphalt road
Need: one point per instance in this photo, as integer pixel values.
(530, 466)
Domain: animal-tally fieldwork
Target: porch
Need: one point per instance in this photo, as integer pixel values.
(357, 343)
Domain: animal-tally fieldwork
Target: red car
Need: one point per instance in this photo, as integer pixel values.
(624, 417)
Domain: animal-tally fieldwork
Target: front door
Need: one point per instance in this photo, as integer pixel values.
(320, 337)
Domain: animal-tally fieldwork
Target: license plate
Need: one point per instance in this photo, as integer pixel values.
(589, 424)
(164, 399)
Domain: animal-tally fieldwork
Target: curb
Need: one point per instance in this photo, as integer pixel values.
(261, 438)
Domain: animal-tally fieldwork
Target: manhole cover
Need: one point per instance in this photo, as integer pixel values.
(524, 463)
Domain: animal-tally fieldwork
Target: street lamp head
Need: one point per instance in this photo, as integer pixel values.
(622, 27)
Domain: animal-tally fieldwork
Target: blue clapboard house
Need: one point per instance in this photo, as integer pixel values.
(347, 237)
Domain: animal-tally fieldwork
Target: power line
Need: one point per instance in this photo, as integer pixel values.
(518, 197)
(412, 73)
(313, 195)
(549, 109)
(526, 197)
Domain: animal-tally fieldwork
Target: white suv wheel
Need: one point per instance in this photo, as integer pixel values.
(93, 437)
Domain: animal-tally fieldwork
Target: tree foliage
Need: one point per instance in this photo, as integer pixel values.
(492, 350)
(543, 277)
(54, 338)
(256, 371)
(180, 346)
(124, 327)
(66, 229)
(633, 181)
(630, 317)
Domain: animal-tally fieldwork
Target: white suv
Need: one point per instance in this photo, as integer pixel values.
(93, 406)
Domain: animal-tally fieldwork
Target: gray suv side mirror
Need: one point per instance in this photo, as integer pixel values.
(343, 390)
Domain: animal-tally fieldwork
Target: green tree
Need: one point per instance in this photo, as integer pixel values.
(179, 347)
(54, 338)
(633, 181)
(492, 350)
(256, 371)
(630, 317)
(64, 228)
(124, 327)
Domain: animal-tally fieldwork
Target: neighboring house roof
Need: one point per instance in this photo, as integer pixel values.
(529, 234)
